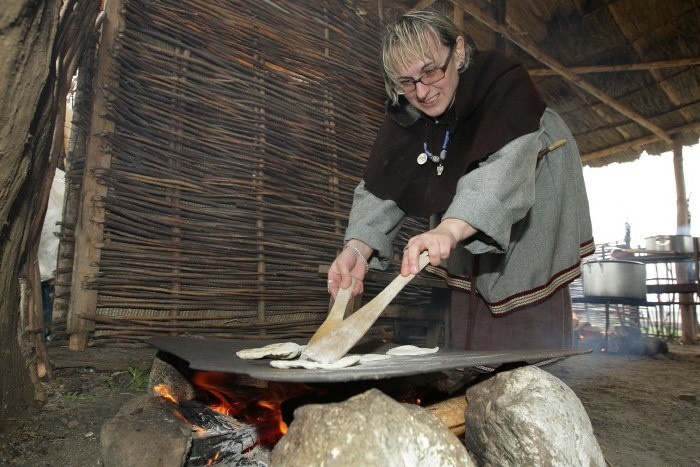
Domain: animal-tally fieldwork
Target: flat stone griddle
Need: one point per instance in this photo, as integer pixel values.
(219, 355)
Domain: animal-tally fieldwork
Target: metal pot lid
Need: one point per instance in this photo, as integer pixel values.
(219, 355)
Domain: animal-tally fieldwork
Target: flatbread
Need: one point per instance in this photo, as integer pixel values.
(285, 355)
(282, 350)
(411, 350)
(373, 357)
(344, 362)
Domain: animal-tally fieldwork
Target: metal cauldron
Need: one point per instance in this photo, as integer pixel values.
(614, 278)
(670, 243)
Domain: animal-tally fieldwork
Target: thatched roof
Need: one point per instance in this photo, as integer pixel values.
(624, 74)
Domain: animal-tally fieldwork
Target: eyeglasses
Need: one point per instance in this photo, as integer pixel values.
(431, 76)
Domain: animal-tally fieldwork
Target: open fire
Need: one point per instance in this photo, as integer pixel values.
(233, 415)
(259, 406)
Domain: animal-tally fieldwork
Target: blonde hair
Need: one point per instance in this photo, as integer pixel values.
(410, 37)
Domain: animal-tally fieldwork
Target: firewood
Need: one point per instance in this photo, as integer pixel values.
(452, 413)
(217, 437)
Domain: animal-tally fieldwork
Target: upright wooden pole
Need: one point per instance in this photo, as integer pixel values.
(687, 310)
(681, 200)
(75, 161)
(89, 232)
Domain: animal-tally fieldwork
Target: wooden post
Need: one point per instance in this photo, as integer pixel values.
(89, 228)
(687, 311)
(681, 200)
(75, 160)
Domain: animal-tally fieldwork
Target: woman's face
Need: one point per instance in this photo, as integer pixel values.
(434, 99)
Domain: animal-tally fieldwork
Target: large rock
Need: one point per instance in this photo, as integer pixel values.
(370, 429)
(529, 417)
(163, 373)
(143, 433)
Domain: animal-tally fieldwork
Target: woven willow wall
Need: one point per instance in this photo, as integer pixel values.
(242, 128)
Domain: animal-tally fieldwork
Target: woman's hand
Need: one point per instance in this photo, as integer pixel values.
(438, 242)
(347, 265)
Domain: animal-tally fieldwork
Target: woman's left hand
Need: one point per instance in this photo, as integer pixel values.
(438, 242)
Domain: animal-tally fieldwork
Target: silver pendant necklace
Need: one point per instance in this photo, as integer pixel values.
(426, 154)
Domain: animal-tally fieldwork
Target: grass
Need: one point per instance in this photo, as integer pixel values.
(137, 383)
(139, 378)
(78, 397)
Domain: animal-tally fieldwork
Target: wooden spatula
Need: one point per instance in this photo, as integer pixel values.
(336, 315)
(336, 337)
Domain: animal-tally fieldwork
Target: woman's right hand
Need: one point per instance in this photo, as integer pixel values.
(438, 242)
(347, 265)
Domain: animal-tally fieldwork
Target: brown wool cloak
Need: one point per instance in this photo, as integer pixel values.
(495, 103)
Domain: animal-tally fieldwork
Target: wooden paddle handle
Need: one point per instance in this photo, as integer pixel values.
(376, 306)
(341, 302)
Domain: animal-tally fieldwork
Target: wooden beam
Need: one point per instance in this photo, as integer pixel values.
(498, 11)
(579, 70)
(687, 288)
(635, 144)
(458, 17)
(89, 232)
(522, 40)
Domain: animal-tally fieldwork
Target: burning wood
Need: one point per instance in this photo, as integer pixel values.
(219, 438)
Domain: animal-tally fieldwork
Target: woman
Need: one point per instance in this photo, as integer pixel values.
(465, 137)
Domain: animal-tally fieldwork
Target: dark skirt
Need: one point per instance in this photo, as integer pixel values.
(547, 325)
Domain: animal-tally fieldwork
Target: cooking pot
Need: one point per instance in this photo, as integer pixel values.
(670, 243)
(615, 278)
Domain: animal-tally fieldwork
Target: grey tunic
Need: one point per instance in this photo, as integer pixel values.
(532, 219)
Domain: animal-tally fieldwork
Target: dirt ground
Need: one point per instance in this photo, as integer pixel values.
(644, 410)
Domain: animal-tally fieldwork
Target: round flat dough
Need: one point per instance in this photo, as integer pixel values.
(282, 350)
(411, 350)
(348, 360)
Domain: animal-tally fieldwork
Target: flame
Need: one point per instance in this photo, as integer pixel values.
(164, 391)
(223, 409)
(258, 406)
(181, 417)
(214, 459)
(276, 407)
